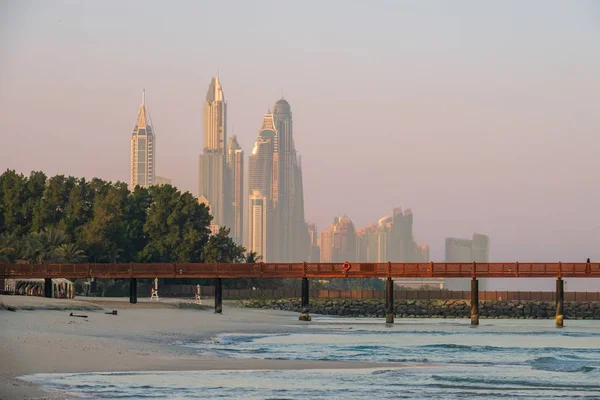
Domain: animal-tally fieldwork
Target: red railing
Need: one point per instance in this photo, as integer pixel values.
(309, 270)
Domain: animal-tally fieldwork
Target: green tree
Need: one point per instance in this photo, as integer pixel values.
(221, 248)
(177, 227)
(69, 253)
(53, 205)
(13, 195)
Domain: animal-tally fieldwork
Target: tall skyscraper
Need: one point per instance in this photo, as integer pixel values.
(275, 170)
(213, 174)
(257, 224)
(235, 169)
(143, 149)
(288, 196)
(260, 180)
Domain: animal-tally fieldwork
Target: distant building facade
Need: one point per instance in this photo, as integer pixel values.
(338, 242)
(257, 224)
(315, 249)
(391, 239)
(161, 180)
(468, 250)
(275, 170)
(213, 177)
(235, 169)
(143, 149)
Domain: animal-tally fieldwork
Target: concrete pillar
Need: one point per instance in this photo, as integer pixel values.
(48, 288)
(389, 301)
(560, 298)
(474, 302)
(305, 314)
(218, 296)
(133, 290)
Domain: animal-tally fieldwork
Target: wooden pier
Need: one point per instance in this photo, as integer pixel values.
(304, 271)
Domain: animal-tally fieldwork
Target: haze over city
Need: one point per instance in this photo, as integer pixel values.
(480, 118)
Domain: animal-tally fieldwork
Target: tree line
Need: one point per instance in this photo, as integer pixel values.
(64, 219)
(68, 219)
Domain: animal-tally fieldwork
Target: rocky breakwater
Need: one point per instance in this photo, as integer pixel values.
(432, 308)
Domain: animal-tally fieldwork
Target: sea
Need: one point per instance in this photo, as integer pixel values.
(446, 359)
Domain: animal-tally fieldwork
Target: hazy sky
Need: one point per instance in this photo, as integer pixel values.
(480, 116)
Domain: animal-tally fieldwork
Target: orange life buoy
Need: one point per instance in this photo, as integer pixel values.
(346, 266)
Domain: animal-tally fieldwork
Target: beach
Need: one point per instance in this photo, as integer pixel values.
(172, 350)
(138, 338)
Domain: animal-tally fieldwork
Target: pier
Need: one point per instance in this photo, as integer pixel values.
(306, 271)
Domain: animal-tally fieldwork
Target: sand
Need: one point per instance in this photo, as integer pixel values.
(45, 339)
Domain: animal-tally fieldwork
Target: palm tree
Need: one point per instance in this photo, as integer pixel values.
(70, 253)
(252, 257)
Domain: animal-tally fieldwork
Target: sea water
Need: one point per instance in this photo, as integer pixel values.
(449, 359)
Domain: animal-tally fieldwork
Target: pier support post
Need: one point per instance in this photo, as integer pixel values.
(218, 296)
(474, 302)
(48, 288)
(389, 301)
(133, 290)
(305, 314)
(560, 298)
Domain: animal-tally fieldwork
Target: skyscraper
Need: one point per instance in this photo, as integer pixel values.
(288, 196)
(257, 224)
(235, 169)
(213, 175)
(260, 180)
(338, 242)
(143, 149)
(275, 170)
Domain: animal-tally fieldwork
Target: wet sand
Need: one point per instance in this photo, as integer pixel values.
(139, 338)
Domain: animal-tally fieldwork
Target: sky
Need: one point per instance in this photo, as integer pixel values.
(479, 116)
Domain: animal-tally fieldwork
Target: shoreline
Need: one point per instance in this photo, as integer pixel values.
(140, 338)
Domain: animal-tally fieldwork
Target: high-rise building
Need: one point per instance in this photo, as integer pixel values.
(480, 249)
(367, 244)
(257, 224)
(338, 242)
(401, 238)
(468, 250)
(458, 250)
(288, 196)
(212, 172)
(313, 238)
(275, 169)
(260, 172)
(143, 149)
(235, 169)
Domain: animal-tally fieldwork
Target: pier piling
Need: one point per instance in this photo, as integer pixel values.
(47, 287)
(560, 298)
(474, 302)
(133, 290)
(218, 296)
(305, 314)
(389, 301)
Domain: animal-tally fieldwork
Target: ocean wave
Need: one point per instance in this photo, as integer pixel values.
(562, 365)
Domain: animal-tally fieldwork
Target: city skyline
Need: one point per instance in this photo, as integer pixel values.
(479, 127)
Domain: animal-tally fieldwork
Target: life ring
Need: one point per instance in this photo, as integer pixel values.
(346, 266)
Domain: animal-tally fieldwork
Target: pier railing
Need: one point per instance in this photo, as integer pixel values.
(304, 270)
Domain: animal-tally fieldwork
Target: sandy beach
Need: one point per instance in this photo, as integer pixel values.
(39, 338)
